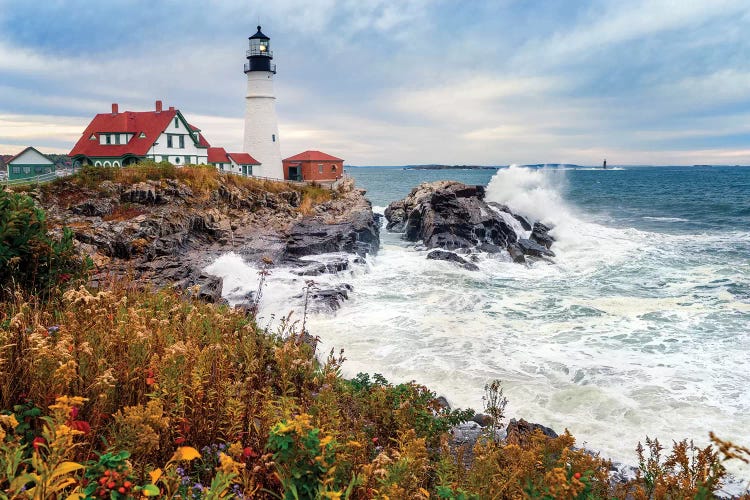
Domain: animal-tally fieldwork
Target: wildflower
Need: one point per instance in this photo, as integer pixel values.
(577, 475)
(37, 442)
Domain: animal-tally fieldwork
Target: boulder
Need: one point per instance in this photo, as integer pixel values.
(519, 432)
(93, 208)
(452, 257)
(516, 254)
(449, 215)
(540, 234)
(534, 249)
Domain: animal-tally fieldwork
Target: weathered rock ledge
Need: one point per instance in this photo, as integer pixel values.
(453, 216)
(161, 232)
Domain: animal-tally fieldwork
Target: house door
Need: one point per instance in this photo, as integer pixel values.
(244, 170)
(294, 174)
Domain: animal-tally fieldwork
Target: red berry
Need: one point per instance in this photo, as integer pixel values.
(577, 475)
(107, 472)
(122, 490)
(127, 484)
(38, 441)
(103, 480)
(111, 485)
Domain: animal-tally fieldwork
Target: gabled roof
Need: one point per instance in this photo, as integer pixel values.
(243, 159)
(312, 156)
(22, 152)
(217, 155)
(150, 123)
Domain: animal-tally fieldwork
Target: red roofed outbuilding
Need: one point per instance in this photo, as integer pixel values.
(313, 166)
(237, 163)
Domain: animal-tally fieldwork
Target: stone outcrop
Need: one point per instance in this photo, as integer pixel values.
(450, 215)
(452, 257)
(162, 232)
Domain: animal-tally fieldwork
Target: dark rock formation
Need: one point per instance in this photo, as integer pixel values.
(532, 248)
(328, 299)
(453, 216)
(540, 235)
(452, 257)
(345, 224)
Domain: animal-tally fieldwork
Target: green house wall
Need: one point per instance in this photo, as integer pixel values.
(19, 171)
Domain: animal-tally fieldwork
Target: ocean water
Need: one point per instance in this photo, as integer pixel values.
(640, 327)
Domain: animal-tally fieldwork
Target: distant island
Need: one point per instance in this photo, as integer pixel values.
(449, 167)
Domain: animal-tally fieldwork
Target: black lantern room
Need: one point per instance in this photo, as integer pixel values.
(259, 54)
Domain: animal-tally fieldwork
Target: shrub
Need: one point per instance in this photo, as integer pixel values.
(30, 259)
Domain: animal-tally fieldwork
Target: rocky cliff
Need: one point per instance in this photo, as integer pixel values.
(167, 230)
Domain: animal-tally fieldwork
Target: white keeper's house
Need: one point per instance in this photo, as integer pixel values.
(122, 138)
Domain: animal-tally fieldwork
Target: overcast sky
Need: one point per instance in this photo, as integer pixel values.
(381, 82)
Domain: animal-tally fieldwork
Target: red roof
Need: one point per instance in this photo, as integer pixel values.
(217, 155)
(150, 123)
(313, 156)
(243, 159)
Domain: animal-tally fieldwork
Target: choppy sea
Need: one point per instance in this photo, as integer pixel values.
(640, 327)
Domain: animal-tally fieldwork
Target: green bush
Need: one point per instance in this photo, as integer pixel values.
(29, 258)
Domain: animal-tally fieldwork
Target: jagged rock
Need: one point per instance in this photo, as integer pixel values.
(313, 235)
(539, 234)
(395, 214)
(489, 248)
(329, 299)
(516, 253)
(449, 215)
(97, 207)
(520, 431)
(534, 249)
(452, 257)
(143, 193)
(291, 197)
(525, 223)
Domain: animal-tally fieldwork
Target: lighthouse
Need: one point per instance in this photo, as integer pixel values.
(261, 126)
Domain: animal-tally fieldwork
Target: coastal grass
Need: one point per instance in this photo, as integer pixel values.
(201, 179)
(203, 402)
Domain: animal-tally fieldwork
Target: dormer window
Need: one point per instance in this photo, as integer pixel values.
(108, 139)
(142, 135)
(176, 122)
(93, 137)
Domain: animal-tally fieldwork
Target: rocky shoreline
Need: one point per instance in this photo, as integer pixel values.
(163, 233)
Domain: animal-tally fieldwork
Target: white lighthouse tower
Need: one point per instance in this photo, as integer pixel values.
(261, 126)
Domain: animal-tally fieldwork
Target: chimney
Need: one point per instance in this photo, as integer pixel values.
(115, 108)
(158, 106)
(171, 108)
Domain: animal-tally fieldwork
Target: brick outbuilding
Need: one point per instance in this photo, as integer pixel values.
(313, 166)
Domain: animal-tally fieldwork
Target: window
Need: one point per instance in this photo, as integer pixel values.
(333, 168)
(169, 140)
(26, 170)
(117, 138)
(106, 164)
(115, 163)
(97, 164)
(176, 160)
(108, 139)
(142, 136)
(176, 122)
(320, 168)
(182, 142)
(273, 137)
(93, 137)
